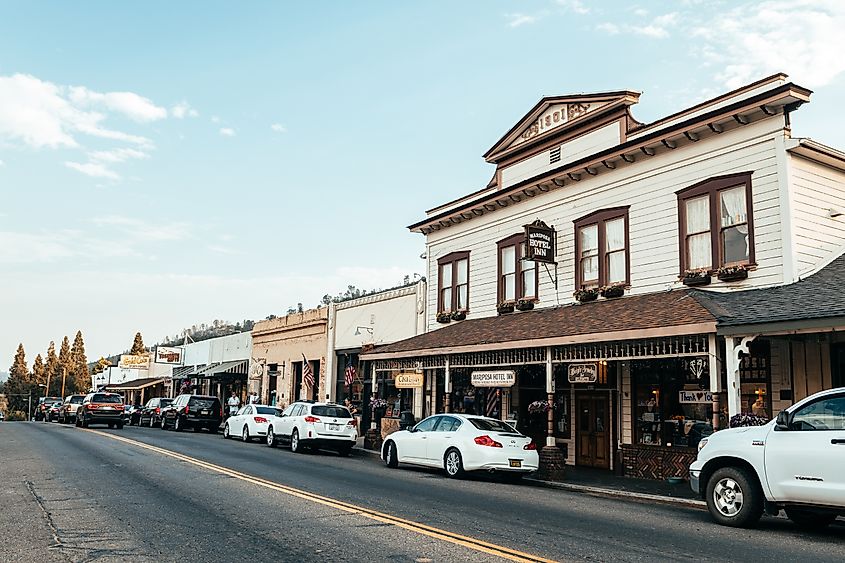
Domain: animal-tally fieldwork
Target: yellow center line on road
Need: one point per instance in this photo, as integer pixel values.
(416, 527)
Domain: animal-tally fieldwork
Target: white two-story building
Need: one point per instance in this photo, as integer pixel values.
(593, 315)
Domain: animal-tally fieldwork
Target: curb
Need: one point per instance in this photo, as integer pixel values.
(361, 452)
(613, 493)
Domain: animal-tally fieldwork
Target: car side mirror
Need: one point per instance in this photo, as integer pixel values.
(782, 422)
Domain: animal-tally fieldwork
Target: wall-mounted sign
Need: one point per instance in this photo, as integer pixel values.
(501, 378)
(540, 242)
(256, 369)
(167, 355)
(695, 397)
(134, 361)
(583, 373)
(408, 380)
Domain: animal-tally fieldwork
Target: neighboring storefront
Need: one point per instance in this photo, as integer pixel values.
(290, 353)
(217, 366)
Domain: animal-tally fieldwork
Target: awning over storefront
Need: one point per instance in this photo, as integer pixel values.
(187, 371)
(237, 367)
(137, 384)
(635, 318)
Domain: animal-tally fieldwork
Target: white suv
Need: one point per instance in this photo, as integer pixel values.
(313, 425)
(795, 463)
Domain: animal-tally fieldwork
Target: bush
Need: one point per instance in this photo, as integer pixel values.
(16, 415)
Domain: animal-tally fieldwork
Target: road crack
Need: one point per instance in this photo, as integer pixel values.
(54, 530)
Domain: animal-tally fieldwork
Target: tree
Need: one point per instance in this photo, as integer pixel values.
(65, 367)
(19, 384)
(100, 366)
(138, 345)
(39, 376)
(81, 381)
(51, 367)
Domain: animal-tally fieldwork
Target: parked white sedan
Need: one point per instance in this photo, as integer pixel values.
(460, 443)
(251, 421)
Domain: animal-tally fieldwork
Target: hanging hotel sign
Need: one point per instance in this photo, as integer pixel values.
(134, 361)
(408, 380)
(540, 242)
(583, 373)
(501, 378)
(168, 355)
(695, 397)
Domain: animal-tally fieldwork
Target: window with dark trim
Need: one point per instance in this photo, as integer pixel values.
(715, 223)
(453, 282)
(602, 248)
(517, 276)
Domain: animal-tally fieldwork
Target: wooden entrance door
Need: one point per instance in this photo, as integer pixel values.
(593, 430)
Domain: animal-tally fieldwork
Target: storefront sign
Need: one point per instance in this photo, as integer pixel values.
(695, 397)
(503, 378)
(540, 239)
(583, 373)
(134, 361)
(408, 380)
(167, 355)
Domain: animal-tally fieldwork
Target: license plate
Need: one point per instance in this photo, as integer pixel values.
(334, 427)
(515, 462)
(203, 412)
(107, 408)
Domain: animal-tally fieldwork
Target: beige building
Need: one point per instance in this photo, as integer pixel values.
(280, 347)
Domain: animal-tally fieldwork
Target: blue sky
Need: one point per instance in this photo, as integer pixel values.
(168, 163)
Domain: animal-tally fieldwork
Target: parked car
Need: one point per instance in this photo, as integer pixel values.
(67, 413)
(459, 443)
(192, 411)
(101, 408)
(53, 411)
(251, 421)
(2, 416)
(42, 406)
(794, 463)
(308, 425)
(150, 414)
(130, 414)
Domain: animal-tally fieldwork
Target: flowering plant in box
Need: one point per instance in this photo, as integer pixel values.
(378, 403)
(745, 419)
(586, 294)
(539, 407)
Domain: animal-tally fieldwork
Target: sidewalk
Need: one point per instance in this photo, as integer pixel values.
(604, 483)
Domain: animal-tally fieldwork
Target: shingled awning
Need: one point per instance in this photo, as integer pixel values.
(652, 315)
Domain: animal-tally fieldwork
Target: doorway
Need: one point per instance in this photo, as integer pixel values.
(593, 430)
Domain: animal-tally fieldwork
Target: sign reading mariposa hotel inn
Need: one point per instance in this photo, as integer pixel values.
(500, 378)
(540, 240)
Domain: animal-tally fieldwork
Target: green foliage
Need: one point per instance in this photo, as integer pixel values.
(65, 368)
(20, 382)
(138, 345)
(51, 367)
(39, 374)
(80, 382)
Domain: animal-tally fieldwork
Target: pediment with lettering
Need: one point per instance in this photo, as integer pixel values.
(555, 116)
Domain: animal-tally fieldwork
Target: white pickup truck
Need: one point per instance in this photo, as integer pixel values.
(795, 463)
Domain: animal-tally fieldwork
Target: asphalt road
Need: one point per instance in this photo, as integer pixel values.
(73, 495)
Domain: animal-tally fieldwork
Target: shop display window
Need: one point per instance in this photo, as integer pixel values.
(671, 405)
(398, 400)
(755, 375)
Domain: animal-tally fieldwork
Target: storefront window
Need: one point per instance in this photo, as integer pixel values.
(755, 375)
(398, 400)
(672, 406)
(466, 399)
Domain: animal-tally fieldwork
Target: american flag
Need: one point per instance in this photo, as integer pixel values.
(349, 375)
(307, 372)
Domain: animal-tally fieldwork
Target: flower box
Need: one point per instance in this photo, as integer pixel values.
(444, 318)
(613, 291)
(524, 304)
(732, 273)
(459, 315)
(585, 295)
(504, 308)
(696, 277)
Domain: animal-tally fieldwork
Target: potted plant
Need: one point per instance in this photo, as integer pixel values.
(696, 277)
(504, 307)
(525, 304)
(444, 317)
(379, 406)
(613, 290)
(732, 273)
(586, 294)
(745, 419)
(459, 315)
(538, 407)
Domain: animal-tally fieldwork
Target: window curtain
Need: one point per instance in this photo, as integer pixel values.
(734, 223)
(615, 249)
(446, 287)
(461, 284)
(699, 254)
(509, 273)
(589, 253)
(528, 275)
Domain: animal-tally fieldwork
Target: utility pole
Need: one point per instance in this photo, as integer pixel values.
(29, 407)
(47, 387)
(64, 376)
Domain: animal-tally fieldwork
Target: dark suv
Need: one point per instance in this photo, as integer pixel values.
(151, 412)
(100, 408)
(192, 411)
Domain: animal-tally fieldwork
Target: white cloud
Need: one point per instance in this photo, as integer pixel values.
(131, 105)
(517, 20)
(576, 6)
(141, 230)
(215, 119)
(609, 28)
(183, 110)
(279, 128)
(227, 131)
(94, 170)
(117, 155)
(658, 28)
(220, 249)
(2, 163)
(49, 247)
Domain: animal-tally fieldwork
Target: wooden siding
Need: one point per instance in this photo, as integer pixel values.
(816, 188)
(649, 188)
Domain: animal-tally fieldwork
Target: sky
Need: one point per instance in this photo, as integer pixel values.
(164, 164)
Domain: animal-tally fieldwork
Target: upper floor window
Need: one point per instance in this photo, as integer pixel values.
(453, 282)
(601, 248)
(716, 224)
(517, 276)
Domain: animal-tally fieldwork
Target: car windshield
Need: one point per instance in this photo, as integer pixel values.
(76, 400)
(491, 425)
(103, 398)
(202, 402)
(165, 402)
(330, 411)
(266, 410)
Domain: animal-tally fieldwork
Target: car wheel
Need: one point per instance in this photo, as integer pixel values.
(226, 434)
(390, 458)
(152, 422)
(178, 425)
(84, 423)
(271, 438)
(120, 426)
(163, 423)
(111, 424)
(810, 520)
(245, 434)
(344, 450)
(197, 428)
(734, 497)
(295, 446)
(453, 463)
